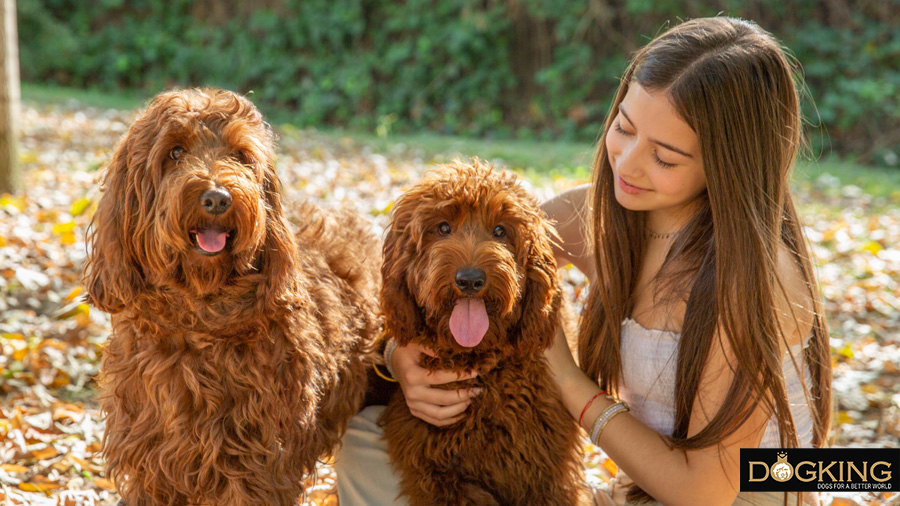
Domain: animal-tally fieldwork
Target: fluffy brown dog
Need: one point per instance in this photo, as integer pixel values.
(469, 272)
(238, 347)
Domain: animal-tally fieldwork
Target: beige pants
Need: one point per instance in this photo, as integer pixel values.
(365, 476)
(364, 473)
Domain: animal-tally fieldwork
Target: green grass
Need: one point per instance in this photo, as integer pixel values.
(567, 159)
(48, 94)
(536, 159)
(876, 181)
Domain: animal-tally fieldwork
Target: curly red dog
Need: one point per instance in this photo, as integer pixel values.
(469, 272)
(238, 346)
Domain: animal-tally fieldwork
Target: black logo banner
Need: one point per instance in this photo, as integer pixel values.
(814, 469)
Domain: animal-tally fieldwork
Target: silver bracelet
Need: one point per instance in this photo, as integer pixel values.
(605, 417)
(388, 354)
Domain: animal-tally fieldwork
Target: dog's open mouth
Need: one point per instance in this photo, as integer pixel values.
(210, 240)
(469, 322)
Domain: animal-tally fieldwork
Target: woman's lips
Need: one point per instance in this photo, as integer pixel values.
(629, 189)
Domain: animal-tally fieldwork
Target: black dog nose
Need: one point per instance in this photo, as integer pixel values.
(470, 280)
(216, 201)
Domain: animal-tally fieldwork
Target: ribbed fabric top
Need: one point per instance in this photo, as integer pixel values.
(649, 361)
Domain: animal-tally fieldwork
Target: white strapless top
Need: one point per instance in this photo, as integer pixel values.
(649, 361)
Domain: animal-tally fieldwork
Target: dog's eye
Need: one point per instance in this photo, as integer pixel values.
(176, 152)
(444, 228)
(499, 232)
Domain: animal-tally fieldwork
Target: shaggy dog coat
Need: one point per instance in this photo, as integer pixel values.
(238, 345)
(469, 273)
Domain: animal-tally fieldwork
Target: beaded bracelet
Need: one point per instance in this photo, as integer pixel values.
(586, 406)
(388, 354)
(605, 417)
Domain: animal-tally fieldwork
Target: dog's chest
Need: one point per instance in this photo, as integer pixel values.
(518, 406)
(215, 376)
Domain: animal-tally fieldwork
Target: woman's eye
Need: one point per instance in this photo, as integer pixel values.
(499, 232)
(176, 152)
(661, 163)
(617, 126)
(444, 228)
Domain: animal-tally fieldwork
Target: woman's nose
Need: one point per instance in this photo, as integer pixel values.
(626, 159)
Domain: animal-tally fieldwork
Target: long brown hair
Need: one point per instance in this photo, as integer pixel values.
(734, 85)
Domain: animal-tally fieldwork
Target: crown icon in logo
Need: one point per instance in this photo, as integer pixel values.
(782, 471)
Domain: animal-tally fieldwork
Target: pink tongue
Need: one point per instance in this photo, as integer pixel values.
(469, 322)
(212, 240)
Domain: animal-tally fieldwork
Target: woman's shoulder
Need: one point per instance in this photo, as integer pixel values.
(794, 300)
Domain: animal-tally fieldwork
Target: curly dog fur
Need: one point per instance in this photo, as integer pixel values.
(238, 348)
(517, 444)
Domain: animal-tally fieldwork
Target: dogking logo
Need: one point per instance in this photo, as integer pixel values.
(813, 469)
(781, 470)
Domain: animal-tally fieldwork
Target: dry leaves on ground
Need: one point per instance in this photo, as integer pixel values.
(50, 428)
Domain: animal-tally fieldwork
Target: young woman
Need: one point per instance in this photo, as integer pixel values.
(703, 327)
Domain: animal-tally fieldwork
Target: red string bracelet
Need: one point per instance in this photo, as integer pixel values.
(586, 406)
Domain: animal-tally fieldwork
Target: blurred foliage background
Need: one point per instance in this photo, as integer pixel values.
(526, 69)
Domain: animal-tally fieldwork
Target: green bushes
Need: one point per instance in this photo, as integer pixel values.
(528, 68)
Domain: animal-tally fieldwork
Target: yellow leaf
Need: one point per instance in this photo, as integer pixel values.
(63, 228)
(13, 468)
(40, 484)
(62, 465)
(104, 484)
(74, 293)
(2, 241)
(9, 202)
(83, 319)
(870, 388)
(79, 206)
(75, 310)
(846, 351)
(19, 355)
(45, 453)
(61, 380)
(68, 238)
(611, 466)
(16, 337)
(872, 247)
(844, 418)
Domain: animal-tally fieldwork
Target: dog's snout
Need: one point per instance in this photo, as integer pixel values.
(470, 280)
(216, 201)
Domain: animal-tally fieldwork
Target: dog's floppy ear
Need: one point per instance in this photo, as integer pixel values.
(279, 250)
(402, 318)
(112, 275)
(540, 316)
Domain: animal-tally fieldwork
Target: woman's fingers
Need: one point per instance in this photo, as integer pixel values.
(443, 397)
(439, 415)
(436, 406)
(441, 377)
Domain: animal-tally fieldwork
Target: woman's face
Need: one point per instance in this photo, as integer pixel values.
(655, 156)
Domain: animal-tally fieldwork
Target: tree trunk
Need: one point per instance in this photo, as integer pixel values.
(10, 174)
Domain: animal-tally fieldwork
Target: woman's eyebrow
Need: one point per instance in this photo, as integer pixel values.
(663, 144)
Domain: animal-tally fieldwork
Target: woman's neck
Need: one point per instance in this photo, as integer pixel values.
(669, 221)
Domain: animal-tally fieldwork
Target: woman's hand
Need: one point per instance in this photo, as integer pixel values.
(435, 406)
